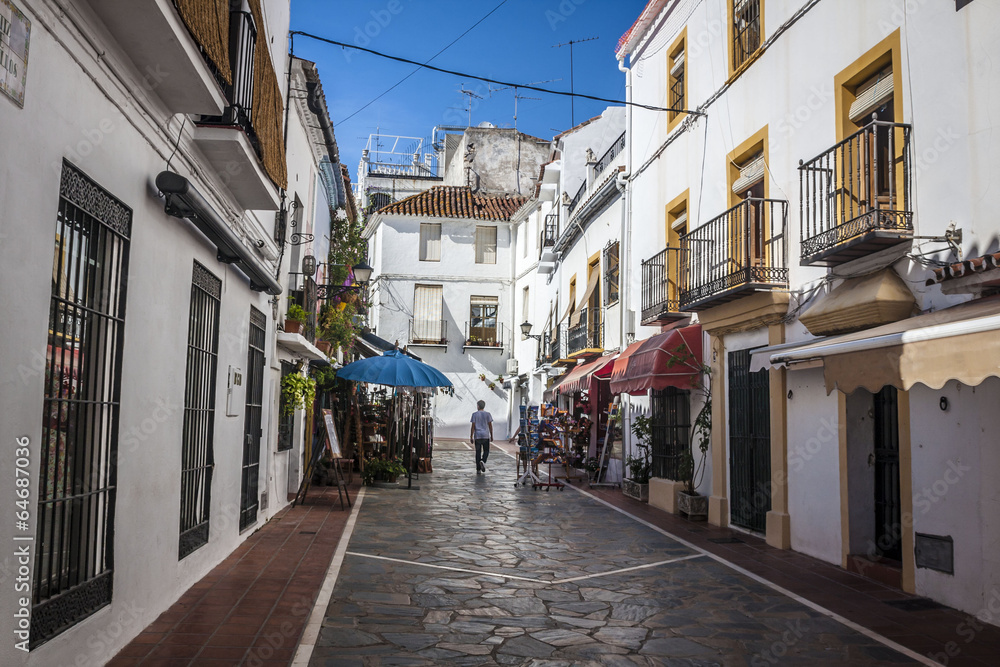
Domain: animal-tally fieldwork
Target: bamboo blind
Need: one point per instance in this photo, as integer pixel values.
(268, 107)
(208, 22)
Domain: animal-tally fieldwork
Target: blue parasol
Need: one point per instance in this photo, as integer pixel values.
(394, 369)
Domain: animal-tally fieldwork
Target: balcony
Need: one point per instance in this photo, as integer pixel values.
(855, 197)
(609, 155)
(740, 252)
(552, 345)
(167, 55)
(485, 337)
(429, 332)
(244, 143)
(551, 231)
(587, 336)
(661, 288)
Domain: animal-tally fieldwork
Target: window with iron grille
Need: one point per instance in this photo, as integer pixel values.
(486, 245)
(430, 241)
(74, 535)
(197, 448)
(670, 414)
(611, 273)
(676, 80)
(746, 30)
(286, 422)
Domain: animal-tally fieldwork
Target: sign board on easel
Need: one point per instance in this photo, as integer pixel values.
(332, 444)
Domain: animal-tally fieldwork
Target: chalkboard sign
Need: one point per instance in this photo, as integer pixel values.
(333, 445)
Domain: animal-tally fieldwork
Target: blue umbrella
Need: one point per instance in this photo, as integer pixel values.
(394, 369)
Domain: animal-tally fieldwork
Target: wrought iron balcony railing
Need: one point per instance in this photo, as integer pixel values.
(428, 332)
(239, 93)
(552, 346)
(739, 251)
(610, 154)
(551, 231)
(855, 197)
(661, 287)
(588, 334)
(576, 199)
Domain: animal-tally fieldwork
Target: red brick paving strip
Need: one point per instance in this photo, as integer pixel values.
(251, 608)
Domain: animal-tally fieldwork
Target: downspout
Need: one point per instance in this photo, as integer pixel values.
(625, 248)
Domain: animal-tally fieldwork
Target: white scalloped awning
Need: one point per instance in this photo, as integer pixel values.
(959, 343)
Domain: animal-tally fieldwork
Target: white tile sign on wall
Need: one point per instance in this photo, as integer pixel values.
(15, 31)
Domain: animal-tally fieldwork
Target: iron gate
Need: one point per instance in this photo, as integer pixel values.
(749, 443)
(670, 412)
(249, 482)
(888, 529)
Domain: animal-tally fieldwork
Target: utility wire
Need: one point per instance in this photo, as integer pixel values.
(345, 45)
(421, 66)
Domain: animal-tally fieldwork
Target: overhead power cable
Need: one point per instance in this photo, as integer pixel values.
(422, 65)
(345, 45)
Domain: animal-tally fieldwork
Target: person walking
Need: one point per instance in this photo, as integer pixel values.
(481, 435)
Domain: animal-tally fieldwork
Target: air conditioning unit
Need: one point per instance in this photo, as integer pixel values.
(512, 366)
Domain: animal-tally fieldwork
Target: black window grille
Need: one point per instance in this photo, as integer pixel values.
(286, 422)
(379, 200)
(250, 475)
(197, 451)
(74, 557)
(670, 414)
(746, 30)
(749, 443)
(611, 272)
(677, 100)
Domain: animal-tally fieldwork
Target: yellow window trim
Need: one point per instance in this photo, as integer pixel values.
(735, 73)
(680, 44)
(755, 143)
(844, 84)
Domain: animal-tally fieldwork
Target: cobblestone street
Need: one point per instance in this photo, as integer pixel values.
(471, 570)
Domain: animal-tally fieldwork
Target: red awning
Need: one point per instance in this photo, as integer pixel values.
(579, 378)
(670, 359)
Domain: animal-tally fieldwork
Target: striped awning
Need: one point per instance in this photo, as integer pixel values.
(579, 378)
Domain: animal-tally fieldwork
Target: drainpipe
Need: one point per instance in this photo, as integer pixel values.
(625, 248)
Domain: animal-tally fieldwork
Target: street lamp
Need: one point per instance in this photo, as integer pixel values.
(362, 274)
(526, 331)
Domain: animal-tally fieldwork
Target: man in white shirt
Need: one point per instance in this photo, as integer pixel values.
(481, 434)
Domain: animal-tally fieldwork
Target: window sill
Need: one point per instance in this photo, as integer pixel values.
(443, 344)
(738, 72)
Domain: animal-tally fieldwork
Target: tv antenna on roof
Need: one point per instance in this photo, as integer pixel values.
(520, 97)
(570, 43)
(471, 94)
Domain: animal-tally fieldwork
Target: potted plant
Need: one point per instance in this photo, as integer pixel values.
(297, 392)
(382, 470)
(323, 346)
(295, 316)
(640, 467)
(689, 502)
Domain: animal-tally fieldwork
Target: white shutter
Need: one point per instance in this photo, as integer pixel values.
(486, 245)
(679, 222)
(427, 302)
(678, 65)
(750, 174)
(430, 242)
(870, 95)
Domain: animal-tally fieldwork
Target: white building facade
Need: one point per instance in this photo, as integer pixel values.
(143, 190)
(835, 161)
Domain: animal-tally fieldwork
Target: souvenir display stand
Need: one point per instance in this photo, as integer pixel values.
(527, 447)
(546, 438)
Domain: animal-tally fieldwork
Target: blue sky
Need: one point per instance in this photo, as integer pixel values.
(514, 44)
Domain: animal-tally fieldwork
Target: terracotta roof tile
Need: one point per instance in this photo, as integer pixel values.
(447, 201)
(965, 268)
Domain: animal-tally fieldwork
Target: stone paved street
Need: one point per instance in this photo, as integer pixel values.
(470, 570)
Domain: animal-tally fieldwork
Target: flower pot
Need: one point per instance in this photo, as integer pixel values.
(694, 507)
(293, 326)
(324, 346)
(636, 490)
